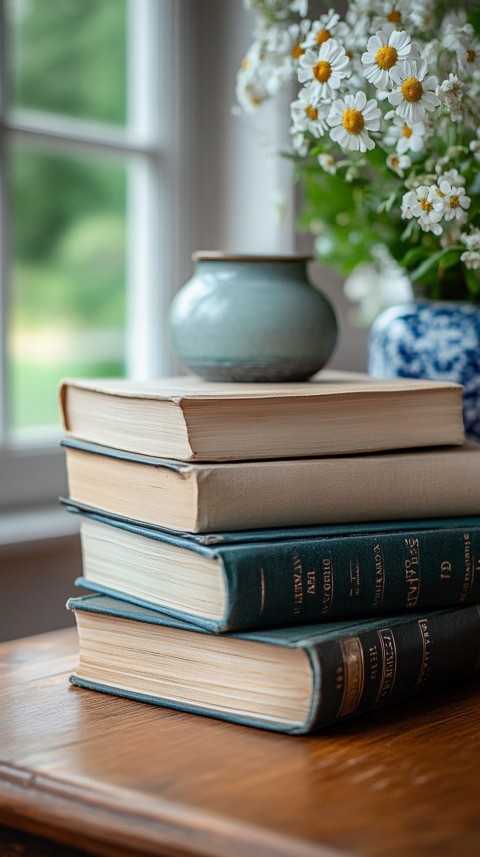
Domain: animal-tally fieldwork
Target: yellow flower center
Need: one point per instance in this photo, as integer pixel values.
(412, 89)
(245, 63)
(395, 16)
(471, 55)
(395, 162)
(322, 71)
(407, 131)
(386, 57)
(425, 204)
(311, 112)
(353, 121)
(297, 51)
(323, 36)
(454, 201)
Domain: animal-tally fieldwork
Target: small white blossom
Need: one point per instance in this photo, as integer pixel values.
(325, 28)
(351, 119)
(451, 93)
(451, 175)
(384, 53)
(399, 163)
(471, 259)
(375, 285)
(471, 240)
(391, 14)
(469, 55)
(294, 40)
(324, 69)
(415, 93)
(474, 147)
(300, 144)
(299, 6)
(426, 206)
(328, 163)
(455, 201)
(405, 137)
(309, 116)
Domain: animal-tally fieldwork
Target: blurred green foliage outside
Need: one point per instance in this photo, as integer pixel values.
(67, 305)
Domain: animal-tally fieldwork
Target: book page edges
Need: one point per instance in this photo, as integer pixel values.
(190, 389)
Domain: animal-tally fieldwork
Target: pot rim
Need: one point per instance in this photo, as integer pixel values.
(220, 256)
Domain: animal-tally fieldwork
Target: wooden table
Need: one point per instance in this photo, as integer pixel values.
(116, 777)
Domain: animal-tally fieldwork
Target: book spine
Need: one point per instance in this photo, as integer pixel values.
(310, 580)
(392, 662)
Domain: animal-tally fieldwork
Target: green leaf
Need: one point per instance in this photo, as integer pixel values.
(413, 256)
(443, 259)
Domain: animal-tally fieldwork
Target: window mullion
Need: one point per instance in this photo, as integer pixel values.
(161, 196)
(5, 234)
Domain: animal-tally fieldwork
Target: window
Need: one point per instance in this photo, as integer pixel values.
(95, 207)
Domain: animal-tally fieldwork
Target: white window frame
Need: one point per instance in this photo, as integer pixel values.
(161, 210)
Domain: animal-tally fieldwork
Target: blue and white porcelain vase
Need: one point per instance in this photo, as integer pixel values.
(439, 340)
(251, 318)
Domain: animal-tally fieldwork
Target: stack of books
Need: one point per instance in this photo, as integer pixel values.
(280, 555)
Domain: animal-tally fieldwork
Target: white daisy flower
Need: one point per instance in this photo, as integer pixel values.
(468, 53)
(426, 206)
(252, 79)
(324, 69)
(351, 120)
(308, 115)
(471, 260)
(323, 29)
(405, 137)
(328, 163)
(384, 52)
(455, 201)
(415, 93)
(297, 34)
(391, 15)
(398, 163)
(459, 37)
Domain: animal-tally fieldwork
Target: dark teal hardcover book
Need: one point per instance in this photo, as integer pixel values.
(293, 680)
(234, 581)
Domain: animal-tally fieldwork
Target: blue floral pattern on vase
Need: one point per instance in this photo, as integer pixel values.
(437, 340)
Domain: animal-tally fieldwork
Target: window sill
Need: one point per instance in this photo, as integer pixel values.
(34, 525)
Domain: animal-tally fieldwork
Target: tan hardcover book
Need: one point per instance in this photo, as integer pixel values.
(193, 420)
(197, 497)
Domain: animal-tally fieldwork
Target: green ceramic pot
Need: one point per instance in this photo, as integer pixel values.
(252, 318)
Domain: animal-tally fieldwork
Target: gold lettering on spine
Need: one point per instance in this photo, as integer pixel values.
(327, 582)
(389, 664)
(297, 584)
(354, 675)
(426, 642)
(412, 570)
(354, 578)
(469, 567)
(379, 575)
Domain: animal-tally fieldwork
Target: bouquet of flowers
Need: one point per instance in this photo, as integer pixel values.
(385, 138)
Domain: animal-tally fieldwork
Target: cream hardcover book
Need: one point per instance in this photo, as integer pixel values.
(335, 413)
(436, 482)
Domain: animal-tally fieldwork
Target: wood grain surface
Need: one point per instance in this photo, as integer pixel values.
(115, 777)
